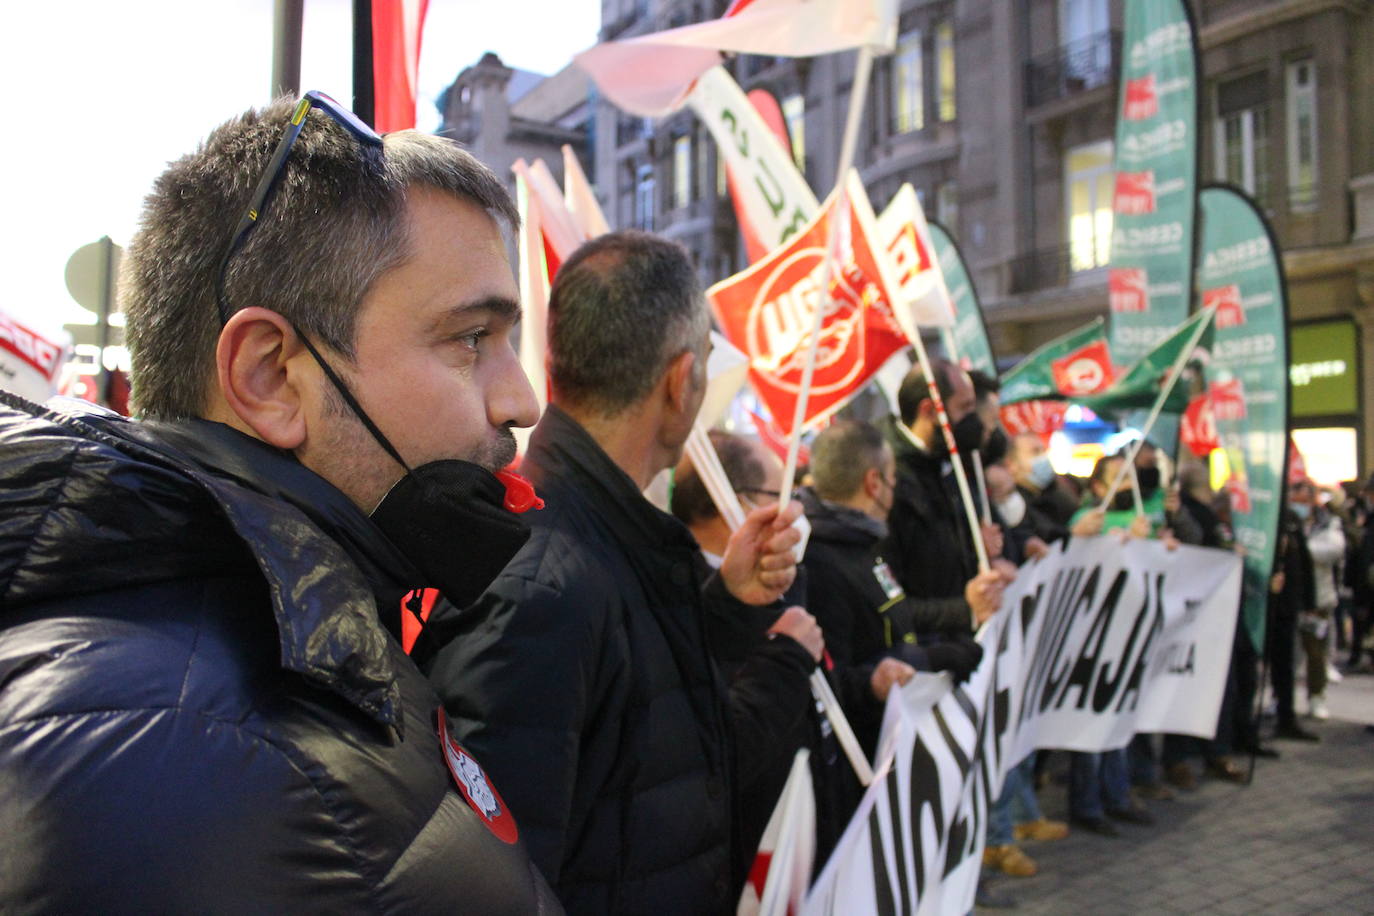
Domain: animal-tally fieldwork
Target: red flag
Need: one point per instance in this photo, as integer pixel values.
(1199, 429)
(1087, 370)
(1044, 418)
(1297, 465)
(772, 437)
(396, 29)
(768, 311)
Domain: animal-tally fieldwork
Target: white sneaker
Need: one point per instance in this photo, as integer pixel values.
(1316, 707)
(1332, 675)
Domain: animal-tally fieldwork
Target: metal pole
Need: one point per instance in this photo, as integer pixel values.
(363, 80)
(287, 17)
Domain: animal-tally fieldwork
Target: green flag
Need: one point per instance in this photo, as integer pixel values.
(1066, 367)
(1138, 386)
(1155, 195)
(1240, 276)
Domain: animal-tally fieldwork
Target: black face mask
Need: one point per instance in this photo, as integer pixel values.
(968, 436)
(1149, 480)
(455, 520)
(450, 518)
(1122, 501)
(995, 449)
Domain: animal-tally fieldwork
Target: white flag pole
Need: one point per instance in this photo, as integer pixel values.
(1174, 372)
(703, 455)
(1135, 492)
(851, 132)
(952, 349)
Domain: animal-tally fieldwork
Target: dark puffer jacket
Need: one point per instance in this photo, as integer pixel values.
(199, 711)
(582, 681)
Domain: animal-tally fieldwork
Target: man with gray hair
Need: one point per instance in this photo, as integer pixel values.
(582, 677)
(201, 708)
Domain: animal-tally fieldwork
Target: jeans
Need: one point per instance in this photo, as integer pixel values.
(1098, 783)
(1017, 803)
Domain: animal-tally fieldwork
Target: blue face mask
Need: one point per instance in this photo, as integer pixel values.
(1041, 472)
(1301, 510)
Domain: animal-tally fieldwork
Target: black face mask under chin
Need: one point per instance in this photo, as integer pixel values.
(450, 519)
(456, 521)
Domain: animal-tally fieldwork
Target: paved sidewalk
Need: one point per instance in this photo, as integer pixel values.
(1299, 839)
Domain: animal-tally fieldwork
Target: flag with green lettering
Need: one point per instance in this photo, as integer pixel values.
(1241, 277)
(1155, 196)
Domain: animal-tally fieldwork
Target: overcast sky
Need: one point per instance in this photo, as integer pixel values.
(103, 94)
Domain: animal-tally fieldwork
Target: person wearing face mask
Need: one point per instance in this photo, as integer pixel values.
(1048, 503)
(1163, 504)
(929, 544)
(204, 706)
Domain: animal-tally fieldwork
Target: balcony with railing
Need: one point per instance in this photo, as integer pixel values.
(1051, 268)
(1074, 68)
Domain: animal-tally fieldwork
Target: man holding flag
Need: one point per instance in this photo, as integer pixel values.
(582, 677)
(931, 548)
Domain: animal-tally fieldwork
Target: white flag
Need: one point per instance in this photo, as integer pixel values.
(649, 74)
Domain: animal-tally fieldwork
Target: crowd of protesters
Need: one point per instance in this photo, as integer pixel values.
(292, 640)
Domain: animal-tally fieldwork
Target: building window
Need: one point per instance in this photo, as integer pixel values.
(682, 172)
(947, 206)
(908, 85)
(1089, 181)
(1302, 134)
(644, 199)
(944, 68)
(794, 113)
(1242, 134)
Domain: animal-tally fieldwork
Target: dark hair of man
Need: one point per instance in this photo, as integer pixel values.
(841, 455)
(914, 389)
(622, 307)
(984, 385)
(335, 223)
(692, 503)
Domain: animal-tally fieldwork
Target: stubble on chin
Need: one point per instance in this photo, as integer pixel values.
(497, 452)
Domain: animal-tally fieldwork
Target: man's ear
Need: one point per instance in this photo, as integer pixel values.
(259, 366)
(872, 482)
(679, 386)
(926, 411)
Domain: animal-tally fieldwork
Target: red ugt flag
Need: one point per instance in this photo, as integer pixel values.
(769, 309)
(396, 28)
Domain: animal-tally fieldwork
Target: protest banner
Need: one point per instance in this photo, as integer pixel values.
(768, 312)
(1241, 274)
(1155, 197)
(1093, 643)
(967, 341)
(397, 27)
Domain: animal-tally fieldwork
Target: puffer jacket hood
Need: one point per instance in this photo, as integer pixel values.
(86, 492)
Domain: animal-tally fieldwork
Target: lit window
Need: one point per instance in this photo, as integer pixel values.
(1302, 133)
(944, 65)
(794, 113)
(908, 100)
(1089, 181)
(682, 172)
(947, 206)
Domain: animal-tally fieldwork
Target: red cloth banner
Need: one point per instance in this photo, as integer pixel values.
(396, 29)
